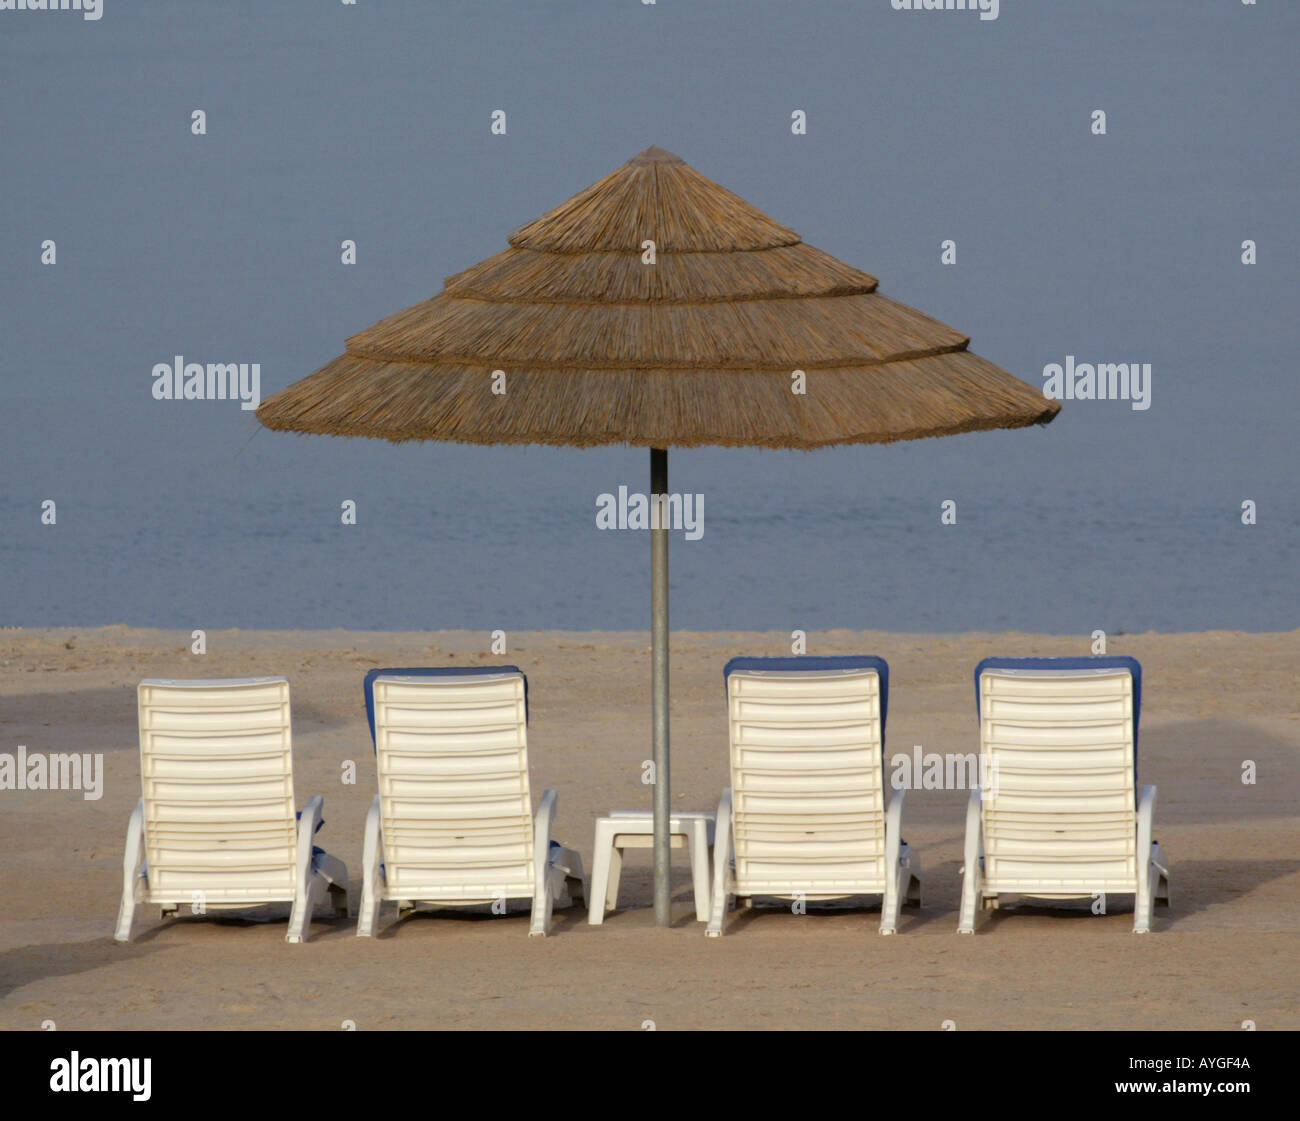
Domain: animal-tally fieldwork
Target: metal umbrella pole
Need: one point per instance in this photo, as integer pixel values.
(659, 680)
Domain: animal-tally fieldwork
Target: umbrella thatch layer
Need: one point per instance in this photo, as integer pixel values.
(599, 347)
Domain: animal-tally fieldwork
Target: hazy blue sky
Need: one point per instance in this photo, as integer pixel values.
(327, 121)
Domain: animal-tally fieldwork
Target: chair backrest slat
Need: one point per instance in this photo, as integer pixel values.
(1059, 756)
(452, 758)
(808, 799)
(216, 763)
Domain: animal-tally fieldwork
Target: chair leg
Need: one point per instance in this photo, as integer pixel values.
(543, 904)
(134, 879)
(1142, 902)
(1142, 909)
(972, 884)
(309, 886)
(893, 858)
(304, 904)
(543, 888)
(1155, 889)
(372, 882)
(889, 905)
(721, 867)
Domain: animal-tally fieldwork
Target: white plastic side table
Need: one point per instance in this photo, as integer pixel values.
(634, 829)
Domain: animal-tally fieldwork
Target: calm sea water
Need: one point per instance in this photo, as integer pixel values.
(486, 538)
(226, 248)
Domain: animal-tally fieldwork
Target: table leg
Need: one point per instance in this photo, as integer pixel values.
(604, 847)
(615, 871)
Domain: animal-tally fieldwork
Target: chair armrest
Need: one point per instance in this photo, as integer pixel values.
(134, 854)
(308, 822)
(543, 820)
(894, 819)
(893, 837)
(721, 865)
(1145, 827)
(974, 834)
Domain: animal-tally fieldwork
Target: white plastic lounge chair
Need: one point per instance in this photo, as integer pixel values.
(1060, 820)
(806, 811)
(453, 822)
(216, 828)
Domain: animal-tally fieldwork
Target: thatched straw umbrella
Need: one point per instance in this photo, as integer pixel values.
(600, 346)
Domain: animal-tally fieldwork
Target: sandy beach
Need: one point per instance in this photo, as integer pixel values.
(1227, 951)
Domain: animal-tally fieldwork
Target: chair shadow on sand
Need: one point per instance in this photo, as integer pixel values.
(38, 719)
(1197, 886)
(563, 920)
(25, 965)
(324, 926)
